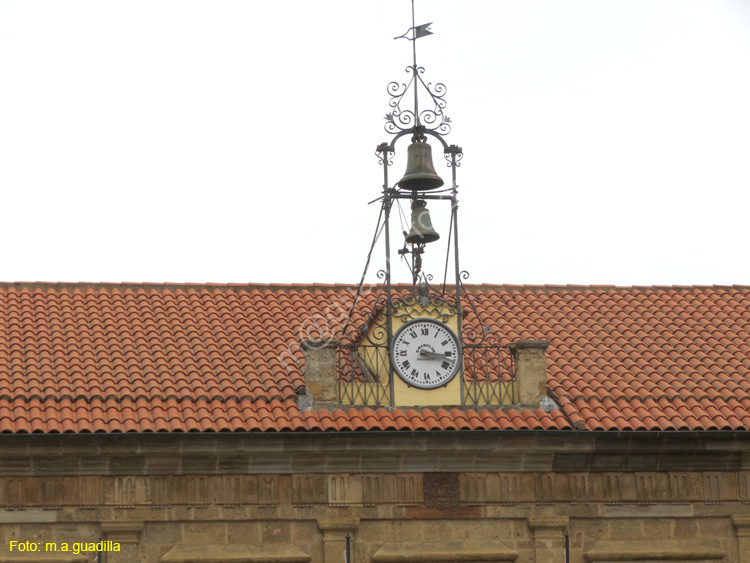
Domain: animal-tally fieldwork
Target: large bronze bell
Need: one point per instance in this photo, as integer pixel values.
(421, 225)
(420, 173)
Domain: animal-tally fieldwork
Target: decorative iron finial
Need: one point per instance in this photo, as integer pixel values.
(401, 120)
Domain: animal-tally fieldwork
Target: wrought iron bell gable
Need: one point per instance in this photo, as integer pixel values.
(484, 370)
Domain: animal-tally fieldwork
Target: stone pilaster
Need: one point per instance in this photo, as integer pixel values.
(128, 535)
(334, 538)
(549, 538)
(742, 523)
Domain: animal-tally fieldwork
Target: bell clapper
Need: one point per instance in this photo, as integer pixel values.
(417, 262)
(416, 252)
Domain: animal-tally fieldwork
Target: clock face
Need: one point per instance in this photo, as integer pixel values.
(425, 353)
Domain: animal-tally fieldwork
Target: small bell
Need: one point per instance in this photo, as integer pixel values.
(421, 225)
(420, 173)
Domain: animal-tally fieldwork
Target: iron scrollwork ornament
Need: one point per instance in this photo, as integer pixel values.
(423, 301)
(449, 157)
(400, 120)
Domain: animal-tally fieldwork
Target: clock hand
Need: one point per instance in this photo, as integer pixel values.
(433, 355)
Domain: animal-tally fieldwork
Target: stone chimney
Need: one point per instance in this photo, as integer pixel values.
(531, 371)
(320, 374)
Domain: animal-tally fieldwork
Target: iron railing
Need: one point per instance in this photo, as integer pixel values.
(363, 375)
(489, 375)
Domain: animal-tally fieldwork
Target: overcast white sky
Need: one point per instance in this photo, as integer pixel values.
(191, 141)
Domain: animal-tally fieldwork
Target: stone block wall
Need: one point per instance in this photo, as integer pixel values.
(424, 498)
(526, 513)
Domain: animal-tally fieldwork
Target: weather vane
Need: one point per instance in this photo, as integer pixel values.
(433, 118)
(417, 32)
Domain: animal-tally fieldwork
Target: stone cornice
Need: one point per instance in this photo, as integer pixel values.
(531, 451)
(476, 495)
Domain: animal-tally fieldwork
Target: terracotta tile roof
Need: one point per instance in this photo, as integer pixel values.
(168, 358)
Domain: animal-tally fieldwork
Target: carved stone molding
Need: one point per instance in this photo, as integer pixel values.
(431, 552)
(742, 523)
(435, 490)
(388, 488)
(548, 528)
(655, 550)
(271, 553)
(336, 529)
(344, 489)
(122, 532)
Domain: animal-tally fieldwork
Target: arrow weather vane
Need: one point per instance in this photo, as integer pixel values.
(417, 32)
(432, 119)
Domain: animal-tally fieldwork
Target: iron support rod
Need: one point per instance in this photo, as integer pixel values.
(414, 53)
(420, 196)
(387, 202)
(454, 215)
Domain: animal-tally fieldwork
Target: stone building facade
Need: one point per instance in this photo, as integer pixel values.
(435, 496)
